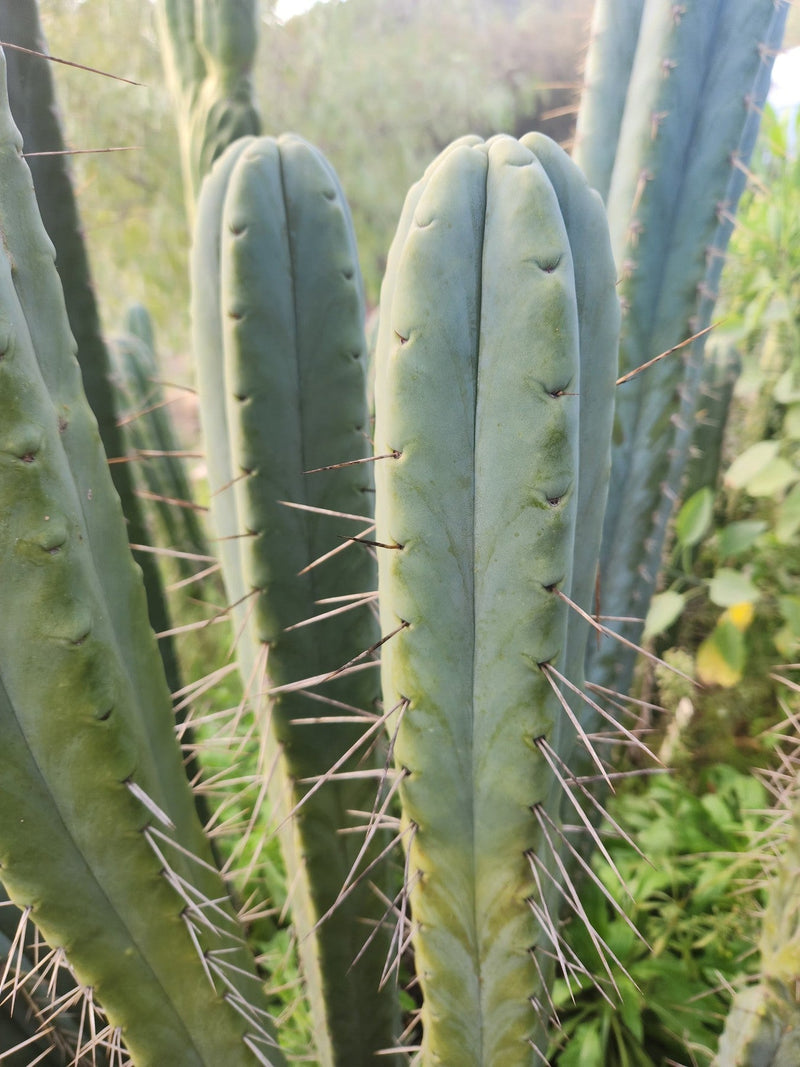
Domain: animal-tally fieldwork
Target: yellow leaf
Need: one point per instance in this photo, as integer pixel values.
(741, 615)
(721, 657)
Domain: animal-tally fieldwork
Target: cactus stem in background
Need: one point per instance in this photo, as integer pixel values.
(605, 631)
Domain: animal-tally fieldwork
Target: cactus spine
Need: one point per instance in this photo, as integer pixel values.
(479, 408)
(279, 338)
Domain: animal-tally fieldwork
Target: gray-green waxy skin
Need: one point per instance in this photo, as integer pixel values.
(478, 400)
(700, 75)
(84, 707)
(148, 427)
(281, 369)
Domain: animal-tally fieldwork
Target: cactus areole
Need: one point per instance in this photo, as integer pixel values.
(494, 392)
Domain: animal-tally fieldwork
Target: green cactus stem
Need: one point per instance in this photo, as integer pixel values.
(97, 813)
(722, 366)
(33, 104)
(489, 380)
(763, 1026)
(699, 79)
(148, 428)
(278, 320)
(208, 48)
(615, 33)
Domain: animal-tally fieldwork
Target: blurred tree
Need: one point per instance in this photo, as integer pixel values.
(380, 85)
(131, 201)
(383, 85)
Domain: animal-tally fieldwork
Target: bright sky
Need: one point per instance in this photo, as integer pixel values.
(286, 9)
(785, 91)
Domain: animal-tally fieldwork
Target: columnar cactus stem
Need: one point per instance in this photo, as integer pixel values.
(279, 337)
(479, 407)
(33, 104)
(699, 78)
(209, 47)
(97, 813)
(147, 427)
(615, 32)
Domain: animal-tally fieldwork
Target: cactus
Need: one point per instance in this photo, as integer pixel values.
(699, 78)
(496, 355)
(208, 48)
(32, 99)
(148, 428)
(98, 815)
(615, 32)
(278, 321)
(763, 1026)
(722, 366)
(495, 371)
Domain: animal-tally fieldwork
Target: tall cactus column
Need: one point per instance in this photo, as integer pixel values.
(97, 812)
(699, 77)
(279, 339)
(483, 509)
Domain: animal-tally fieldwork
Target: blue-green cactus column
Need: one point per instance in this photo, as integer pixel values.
(487, 512)
(699, 77)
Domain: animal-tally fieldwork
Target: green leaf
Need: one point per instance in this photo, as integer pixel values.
(790, 609)
(729, 587)
(750, 463)
(585, 1048)
(787, 521)
(791, 423)
(664, 609)
(773, 479)
(694, 518)
(787, 387)
(738, 537)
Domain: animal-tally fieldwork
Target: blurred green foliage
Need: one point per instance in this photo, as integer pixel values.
(681, 927)
(382, 86)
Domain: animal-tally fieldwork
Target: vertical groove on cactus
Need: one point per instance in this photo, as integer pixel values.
(478, 395)
(722, 366)
(615, 31)
(279, 336)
